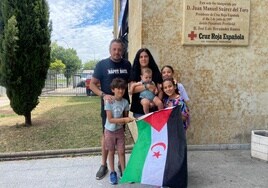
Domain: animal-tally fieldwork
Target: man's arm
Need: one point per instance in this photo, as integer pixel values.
(94, 86)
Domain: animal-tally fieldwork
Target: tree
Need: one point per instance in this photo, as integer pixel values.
(90, 65)
(68, 57)
(9, 48)
(1, 39)
(57, 66)
(24, 52)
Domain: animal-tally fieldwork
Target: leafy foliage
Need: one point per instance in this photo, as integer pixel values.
(68, 57)
(90, 65)
(57, 65)
(24, 52)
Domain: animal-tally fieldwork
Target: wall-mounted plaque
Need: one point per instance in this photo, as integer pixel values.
(216, 22)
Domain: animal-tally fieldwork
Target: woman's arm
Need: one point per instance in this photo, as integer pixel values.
(133, 85)
(137, 87)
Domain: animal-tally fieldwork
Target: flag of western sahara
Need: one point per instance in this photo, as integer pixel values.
(159, 156)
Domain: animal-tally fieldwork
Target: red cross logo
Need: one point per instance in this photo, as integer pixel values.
(192, 35)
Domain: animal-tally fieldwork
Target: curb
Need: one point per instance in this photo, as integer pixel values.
(54, 153)
(97, 151)
(218, 147)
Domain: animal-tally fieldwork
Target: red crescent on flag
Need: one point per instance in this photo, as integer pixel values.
(159, 144)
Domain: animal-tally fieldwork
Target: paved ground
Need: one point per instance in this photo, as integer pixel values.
(4, 101)
(206, 169)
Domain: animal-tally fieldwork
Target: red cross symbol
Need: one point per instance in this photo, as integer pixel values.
(192, 35)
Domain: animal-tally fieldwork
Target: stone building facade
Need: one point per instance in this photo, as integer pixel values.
(227, 85)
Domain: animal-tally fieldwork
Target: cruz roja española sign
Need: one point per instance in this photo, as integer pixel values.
(216, 22)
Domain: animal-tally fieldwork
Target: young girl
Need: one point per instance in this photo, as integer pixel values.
(167, 71)
(173, 98)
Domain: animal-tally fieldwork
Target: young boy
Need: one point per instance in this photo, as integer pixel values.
(117, 116)
(148, 96)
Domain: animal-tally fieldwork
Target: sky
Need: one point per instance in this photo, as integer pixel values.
(84, 25)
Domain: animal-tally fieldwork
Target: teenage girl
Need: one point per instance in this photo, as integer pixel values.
(173, 98)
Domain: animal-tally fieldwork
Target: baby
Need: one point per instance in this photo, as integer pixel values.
(148, 96)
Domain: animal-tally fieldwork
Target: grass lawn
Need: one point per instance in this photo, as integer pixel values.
(58, 123)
